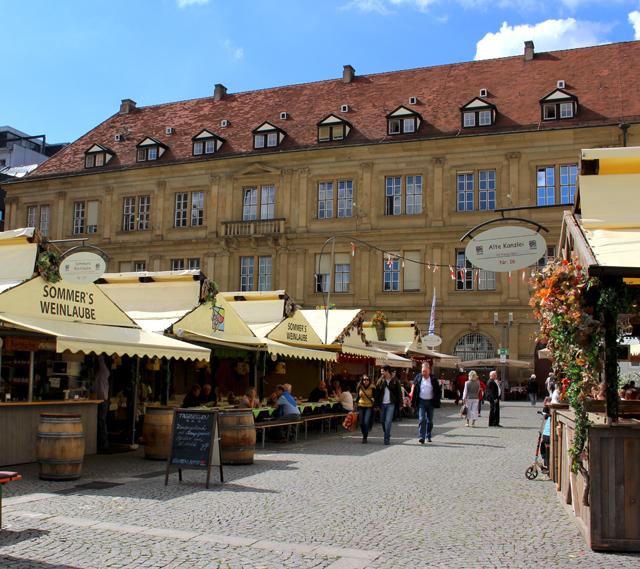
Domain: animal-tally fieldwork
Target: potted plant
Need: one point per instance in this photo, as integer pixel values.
(380, 322)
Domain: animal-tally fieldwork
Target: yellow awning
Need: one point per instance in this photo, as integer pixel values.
(274, 347)
(88, 338)
(395, 361)
(362, 352)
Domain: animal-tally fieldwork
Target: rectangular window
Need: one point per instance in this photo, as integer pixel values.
(197, 209)
(391, 275)
(464, 272)
(92, 216)
(197, 148)
(469, 119)
(250, 204)
(267, 202)
(546, 186)
(550, 255)
(414, 195)
(44, 219)
(32, 216)
(140, 266)
(272, 139)
(487, 190)
(568, 178)
(210, 147)
(465, 192)
(549, 112)
(177, 265)
(345, 198)
(411, 272)
(193, 264)
(180, 218)
(100, 159)
(264, 273)
(323, 268)
(89, 161)
(129, 214)
(409, 125)
(325, 200)
(258, 141)
(324, 133)
(394, 126)
(78, 218)
(152, 153)
(393, 195)
(246, 273)
(142, 155)
(566, 110)
(484, 118)
(342, 278)
(144, 212)
(486, 280)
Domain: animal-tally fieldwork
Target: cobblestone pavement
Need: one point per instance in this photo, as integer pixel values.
(461, 501)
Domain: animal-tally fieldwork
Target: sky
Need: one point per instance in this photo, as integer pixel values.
(67, 64)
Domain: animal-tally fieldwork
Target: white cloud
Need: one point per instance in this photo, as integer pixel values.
(183, 3)
(634, 20)
(421, 5)
(547, 36)
(235, 52)
(368, 6)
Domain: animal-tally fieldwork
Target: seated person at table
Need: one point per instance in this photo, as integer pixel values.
(287, 409)
(207, 395)
(319, 393)
(192, 399)
(344, 400)
(335, 387)
(249, 400)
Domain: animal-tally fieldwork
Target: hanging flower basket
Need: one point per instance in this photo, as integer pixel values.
(380, 322)
(49, 266)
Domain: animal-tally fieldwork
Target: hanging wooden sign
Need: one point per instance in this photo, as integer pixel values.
(506, 248)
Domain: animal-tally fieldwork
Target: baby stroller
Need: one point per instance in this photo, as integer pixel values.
(538, 464)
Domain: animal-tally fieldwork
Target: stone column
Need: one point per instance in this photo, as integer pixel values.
(438, 193)
(440, 278)
(11, 214)
(156, 262)
(209, 265)
(107, 215)
(301, 285)
(513, 184)
(60, 214)
(303, 193)
(362, 196)
(362, 268)
(223, 271)
(211, 209)
(287, 198)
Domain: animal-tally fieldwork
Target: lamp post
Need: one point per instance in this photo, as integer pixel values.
(504, 335)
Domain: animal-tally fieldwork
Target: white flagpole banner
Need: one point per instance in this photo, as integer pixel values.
(432, 322)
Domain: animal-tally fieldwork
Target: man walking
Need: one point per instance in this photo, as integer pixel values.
(532, 389)
(389, 394)
(493, 396)
(425, 396)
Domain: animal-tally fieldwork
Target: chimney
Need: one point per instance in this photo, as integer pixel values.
(528, 50)
(220, 92)
(348, 74)
(127, 106)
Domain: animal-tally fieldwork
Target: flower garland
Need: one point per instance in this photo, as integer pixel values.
(379, 319)
(49, 266)
(209, 292)
(290, 308)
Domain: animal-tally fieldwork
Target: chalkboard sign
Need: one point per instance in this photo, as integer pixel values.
(195, 444)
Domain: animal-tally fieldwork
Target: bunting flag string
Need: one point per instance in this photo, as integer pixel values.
(389, 261)
(475, 277)
(523, 275)
(353, 249)
(435, 268)
(453, 275)
(509, 276)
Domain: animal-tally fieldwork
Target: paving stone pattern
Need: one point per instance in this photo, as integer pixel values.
(460, 502)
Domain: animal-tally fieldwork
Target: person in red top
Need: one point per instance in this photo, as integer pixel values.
(483, 388)
(460, 381)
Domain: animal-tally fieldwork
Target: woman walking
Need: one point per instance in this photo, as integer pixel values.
(365, 406)
(470, 398)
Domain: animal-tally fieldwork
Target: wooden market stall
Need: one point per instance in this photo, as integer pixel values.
(603, 233)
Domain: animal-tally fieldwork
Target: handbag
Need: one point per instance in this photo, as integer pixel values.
(463, 411)
(350, 421)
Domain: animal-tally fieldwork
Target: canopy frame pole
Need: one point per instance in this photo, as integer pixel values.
(32, 364)
(135, 402)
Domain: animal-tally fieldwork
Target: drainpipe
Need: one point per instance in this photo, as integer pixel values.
(624, 127)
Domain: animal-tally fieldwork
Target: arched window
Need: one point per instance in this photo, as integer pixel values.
(474, 347)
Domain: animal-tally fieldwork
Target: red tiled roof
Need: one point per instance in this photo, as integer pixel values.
(604, 78)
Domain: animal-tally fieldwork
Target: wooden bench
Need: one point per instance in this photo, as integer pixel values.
(264, 425)
(322, 417)
(4, 478)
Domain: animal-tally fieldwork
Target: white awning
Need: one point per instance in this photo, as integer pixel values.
(395, 361)
(95, 338)
(495, 362)
(274, 347)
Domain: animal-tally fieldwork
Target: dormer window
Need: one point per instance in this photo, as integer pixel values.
(333, 127)
(150, 149)
(559, 104)
(206, 142)
(267, 135)
(478, 112)
(403, 121)
(97, 156)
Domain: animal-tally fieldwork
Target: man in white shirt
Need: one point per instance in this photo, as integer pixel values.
(425, 396)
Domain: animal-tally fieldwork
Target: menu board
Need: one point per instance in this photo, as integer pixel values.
(195, 444)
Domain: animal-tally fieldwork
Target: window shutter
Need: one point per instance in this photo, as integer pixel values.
(125, 267)
(340, 258)
(92, 213)
(325, 268)
(411, 271)
(324, 133)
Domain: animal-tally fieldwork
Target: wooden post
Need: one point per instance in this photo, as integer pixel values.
(610, 356)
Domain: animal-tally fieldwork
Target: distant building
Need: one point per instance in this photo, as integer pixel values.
(19, 149)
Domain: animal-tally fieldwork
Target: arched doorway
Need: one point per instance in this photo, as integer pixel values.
(474, 346)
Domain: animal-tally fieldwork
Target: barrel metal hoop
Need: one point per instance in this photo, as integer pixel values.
(60, 461)
(235, 427)
(61, 435)
(156, 444)
(48, 420)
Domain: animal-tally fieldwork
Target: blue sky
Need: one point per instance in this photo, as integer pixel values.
(68, 63)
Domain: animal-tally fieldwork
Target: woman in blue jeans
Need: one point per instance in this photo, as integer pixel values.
(365, 406)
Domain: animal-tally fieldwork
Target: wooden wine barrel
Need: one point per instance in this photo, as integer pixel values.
(238, 436)
(156, 432)
(60, 446)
